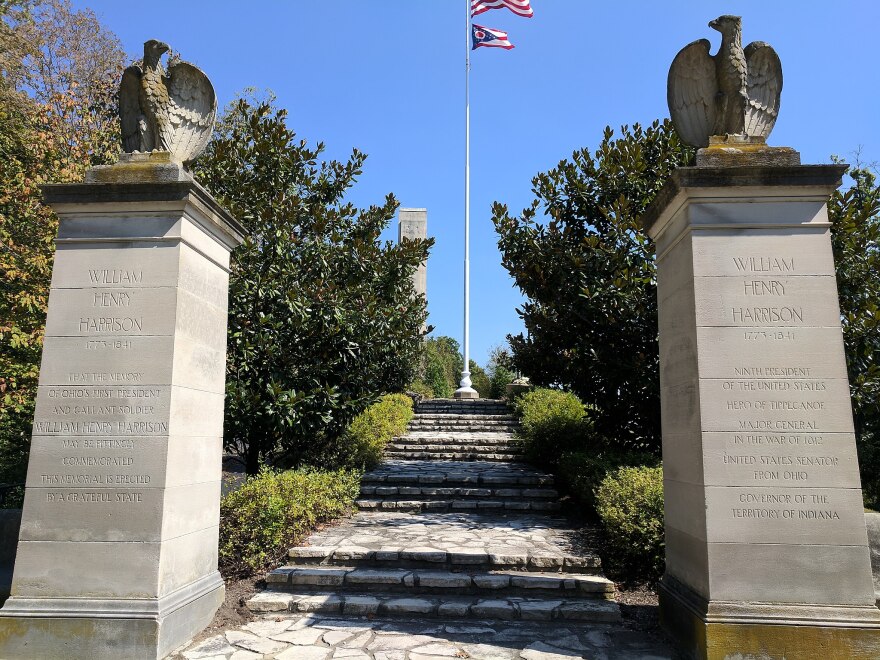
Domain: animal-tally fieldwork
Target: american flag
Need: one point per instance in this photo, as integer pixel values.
(483, 36)
(518, 7)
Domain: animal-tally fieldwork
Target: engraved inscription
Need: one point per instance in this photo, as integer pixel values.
(115, 276)
(754, 264)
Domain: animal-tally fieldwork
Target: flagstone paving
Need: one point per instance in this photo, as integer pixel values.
(310, 637)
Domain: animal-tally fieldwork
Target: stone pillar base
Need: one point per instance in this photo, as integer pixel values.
(121, 628)
(717, 631)
(466, 393)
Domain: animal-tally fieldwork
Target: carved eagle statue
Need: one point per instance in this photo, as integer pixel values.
(161, 111)
(736, 92)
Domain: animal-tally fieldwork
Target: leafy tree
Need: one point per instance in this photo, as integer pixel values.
(57, 117)
(855, 238)
(441, 365)
(500, 371)
(588, 274)
(323, 317)
(480, 380)
(440, 368)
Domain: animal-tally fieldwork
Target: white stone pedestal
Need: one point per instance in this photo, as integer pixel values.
(117, 554)
(766, 550)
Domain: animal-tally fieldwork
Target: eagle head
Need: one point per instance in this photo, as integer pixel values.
(727, 24)
(154, 49)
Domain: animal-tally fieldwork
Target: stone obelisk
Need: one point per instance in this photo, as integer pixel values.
(766, 549)
(413, 225)
(117, 553)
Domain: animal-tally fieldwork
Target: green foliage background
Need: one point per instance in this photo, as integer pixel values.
(587, 271)
(855, 237)
(58, 72)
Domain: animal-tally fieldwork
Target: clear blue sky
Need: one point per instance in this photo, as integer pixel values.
(387, 77)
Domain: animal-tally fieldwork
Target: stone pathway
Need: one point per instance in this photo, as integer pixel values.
(311, 637)
(449, 557)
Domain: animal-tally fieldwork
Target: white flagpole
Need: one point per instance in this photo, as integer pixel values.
(465, 391)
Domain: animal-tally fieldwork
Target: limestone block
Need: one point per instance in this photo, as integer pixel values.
(79, 410)
(196, 413)
(755, 211)
(783, 573)
(193, 460)
(790, 302)
(200, 320)
(680, 407)
(819, 460)
(103, 265)
(97, 462)
(797, 515)
(188, 558)
(122, 514)
(108, 360)
(94, 312)
(96, 570)
(198, 366)
(687, 560)
(780, 405)
(685, 507)
(130, 225)
(683, 457)
(204, 279)
(762, 252)
(753, 352)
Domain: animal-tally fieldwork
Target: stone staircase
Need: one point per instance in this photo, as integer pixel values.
(445, 429)
(450, 527)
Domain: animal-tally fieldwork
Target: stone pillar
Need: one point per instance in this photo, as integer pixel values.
(413, 224)
(117, 553)
(766, 550)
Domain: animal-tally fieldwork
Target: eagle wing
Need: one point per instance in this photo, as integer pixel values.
(764, 88)
(192, 109)
(690, 93)
(130, 108)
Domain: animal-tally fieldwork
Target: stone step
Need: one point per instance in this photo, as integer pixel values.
(454, 447)
(463, 420)
(412, 505)
(439, 582)
(446, 607)
(476, 437)
(474, 473)
(425, 492)
(461, 427)
(498, 559)
(451, 456)
(480, 406)
(449, 417)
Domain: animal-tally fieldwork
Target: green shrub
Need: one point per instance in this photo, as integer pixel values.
(581, 472)
(630, 504)
(552, 423)
(274, 510)
(366, 437)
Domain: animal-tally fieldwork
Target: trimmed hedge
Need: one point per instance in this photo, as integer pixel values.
(552, 423)
(366, 437)
(630, 505)
(581, 472)
(274, 510)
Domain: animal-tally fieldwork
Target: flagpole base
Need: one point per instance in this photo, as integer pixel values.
(466, 393)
